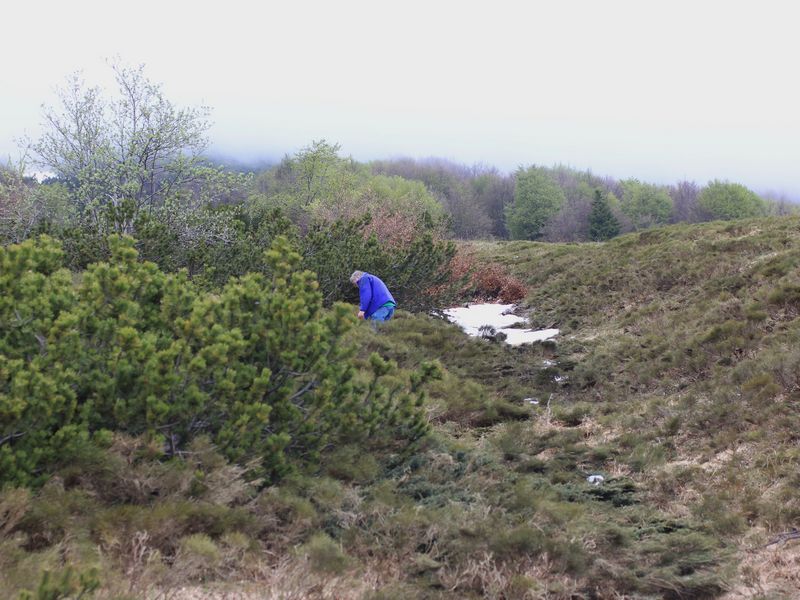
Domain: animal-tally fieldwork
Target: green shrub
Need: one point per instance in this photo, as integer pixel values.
(417, 272)
(573, 415)
(786, 295)
(66, 584)
(726, 201)
(53, 512)
(351, 463)
(279, 506)
(198, 557)
(166, 523)
(522, 541)
(259, 367)
(683, 565)
(325, 555)
(719, 513)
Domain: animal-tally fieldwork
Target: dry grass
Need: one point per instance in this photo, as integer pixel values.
(768, 573)
(293, 578)
(484, 577)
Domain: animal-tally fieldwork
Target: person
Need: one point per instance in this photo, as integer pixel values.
(376, 301)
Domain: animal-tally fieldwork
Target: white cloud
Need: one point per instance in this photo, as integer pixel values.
(654, 90)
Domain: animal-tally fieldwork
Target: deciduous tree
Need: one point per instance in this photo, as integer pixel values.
(724, 200)
(537, 198)
(130, 151)
(646, 205)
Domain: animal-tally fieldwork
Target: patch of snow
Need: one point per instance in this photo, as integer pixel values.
(474, 316)
(596, 479)
(527, 336)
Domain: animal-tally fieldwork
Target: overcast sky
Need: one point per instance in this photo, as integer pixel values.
(660, 91)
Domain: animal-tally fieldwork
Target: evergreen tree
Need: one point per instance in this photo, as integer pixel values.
(603, 225)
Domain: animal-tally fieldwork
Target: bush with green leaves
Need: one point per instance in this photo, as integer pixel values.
(259, 366)
(726, 201)
(27, 208)
(215, 244)
(411, 271)
(537, 198)
(66, 584)
(645, 204)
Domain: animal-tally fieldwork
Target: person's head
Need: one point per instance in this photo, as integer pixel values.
(354, 278)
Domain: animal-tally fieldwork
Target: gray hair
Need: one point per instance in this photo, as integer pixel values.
(356, 276)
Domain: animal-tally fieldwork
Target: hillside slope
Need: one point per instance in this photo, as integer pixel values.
(685, 346)
(675, 378)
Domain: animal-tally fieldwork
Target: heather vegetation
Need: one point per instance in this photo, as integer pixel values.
(189, 408)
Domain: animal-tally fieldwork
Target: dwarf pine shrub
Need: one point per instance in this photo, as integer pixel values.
(260, 368)
(64, 584)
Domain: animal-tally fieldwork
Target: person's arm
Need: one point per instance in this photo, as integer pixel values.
(365, 295)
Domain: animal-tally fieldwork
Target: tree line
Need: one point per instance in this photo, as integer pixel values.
(131, 162)
(559, 204)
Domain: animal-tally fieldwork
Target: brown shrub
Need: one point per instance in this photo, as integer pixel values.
(487, 281)
(513, 291)
(392, 229)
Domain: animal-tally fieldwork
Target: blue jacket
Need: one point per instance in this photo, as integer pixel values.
(373, 294)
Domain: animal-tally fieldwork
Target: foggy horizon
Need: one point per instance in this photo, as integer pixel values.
(257, 160)
(658, 93)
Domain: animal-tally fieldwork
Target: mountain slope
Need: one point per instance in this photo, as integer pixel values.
(685, 342)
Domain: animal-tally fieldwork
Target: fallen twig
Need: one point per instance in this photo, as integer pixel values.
(784, 537)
